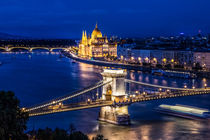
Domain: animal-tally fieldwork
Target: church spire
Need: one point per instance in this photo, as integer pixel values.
(96, 25)
(84, 38)
(85, 35)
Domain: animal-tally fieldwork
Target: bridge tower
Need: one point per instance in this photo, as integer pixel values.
(7, 49)
(30, 49)
(114, 91)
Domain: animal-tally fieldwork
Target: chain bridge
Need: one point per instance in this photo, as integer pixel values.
(113, 94)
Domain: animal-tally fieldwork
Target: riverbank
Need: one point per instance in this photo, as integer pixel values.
(107, 64)
(149, 69)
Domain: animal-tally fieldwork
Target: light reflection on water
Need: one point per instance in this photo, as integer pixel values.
(45, 76)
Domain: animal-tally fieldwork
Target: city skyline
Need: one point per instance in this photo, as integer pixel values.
(67, 19)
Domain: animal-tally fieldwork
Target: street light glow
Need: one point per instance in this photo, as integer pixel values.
(132, 58)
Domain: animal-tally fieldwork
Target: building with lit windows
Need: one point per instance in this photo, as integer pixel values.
(203, 58)
(175, 57)
(96, 45)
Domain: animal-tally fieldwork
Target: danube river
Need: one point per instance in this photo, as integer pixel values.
(39, 77)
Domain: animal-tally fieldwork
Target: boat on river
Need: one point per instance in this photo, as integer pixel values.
(184, 111)
(171, 73)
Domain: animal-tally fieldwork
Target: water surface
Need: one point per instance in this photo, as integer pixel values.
(40, 76)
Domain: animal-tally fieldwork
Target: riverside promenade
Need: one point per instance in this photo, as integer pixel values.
(135, 67)
(108, 64)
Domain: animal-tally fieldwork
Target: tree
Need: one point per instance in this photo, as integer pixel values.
(72, 128)
(78, 136)
(168, 66)
(159, 66)
(179, 66)
(60, 134)
(12, 118)
(99, 137)
(57, 134)
(46, 134)
(197, 66)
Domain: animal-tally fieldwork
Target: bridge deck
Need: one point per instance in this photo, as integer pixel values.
(69, 108)
(135, 99)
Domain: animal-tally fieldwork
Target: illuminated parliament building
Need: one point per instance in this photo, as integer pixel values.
(96, 45)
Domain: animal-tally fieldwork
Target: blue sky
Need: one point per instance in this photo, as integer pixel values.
(126, 18)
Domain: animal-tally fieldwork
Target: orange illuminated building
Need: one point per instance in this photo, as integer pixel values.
(96, 45)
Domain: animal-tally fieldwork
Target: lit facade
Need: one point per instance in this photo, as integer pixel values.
(203, 58)
(170, 56)
(96, 45)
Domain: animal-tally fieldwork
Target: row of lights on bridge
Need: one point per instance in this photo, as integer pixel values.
(193, 87)
(160, 89)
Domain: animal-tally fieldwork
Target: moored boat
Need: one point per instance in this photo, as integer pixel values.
(184, 111)
(171, 73)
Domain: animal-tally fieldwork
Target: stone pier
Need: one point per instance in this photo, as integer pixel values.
(115, 91)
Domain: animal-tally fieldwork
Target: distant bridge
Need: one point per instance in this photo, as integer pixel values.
(30, 49)
(114, 94)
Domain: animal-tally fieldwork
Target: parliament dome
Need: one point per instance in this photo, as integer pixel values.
(96, 32)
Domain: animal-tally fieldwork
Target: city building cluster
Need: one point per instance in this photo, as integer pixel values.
(180, 51)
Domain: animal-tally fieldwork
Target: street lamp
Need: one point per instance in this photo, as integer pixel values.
(97, 95)
(160, 89)
(204, 79)
(193, 87)
(132, 58)
(121, 57)
(139, 58)
(205, 85)
(185, 86)
(164, 60)
(154, 60)
(147, 60)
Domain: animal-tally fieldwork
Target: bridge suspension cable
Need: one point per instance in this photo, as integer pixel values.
(67, 97)
(163, 87)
